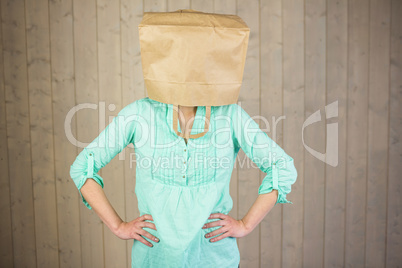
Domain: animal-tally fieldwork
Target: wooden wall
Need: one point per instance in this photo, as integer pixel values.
(302, 56)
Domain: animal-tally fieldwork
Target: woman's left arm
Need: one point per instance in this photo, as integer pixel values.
(262, 205)
(240, 228)
(271, 159)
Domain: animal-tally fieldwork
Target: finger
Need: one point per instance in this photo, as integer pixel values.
(147, 217)
(142, 240)
(217, 216)
(216, 232)
(214, 223)
(148, 235)
(147, 224)
(220, 237)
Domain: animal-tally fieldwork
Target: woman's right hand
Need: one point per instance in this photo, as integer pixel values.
(133, 230)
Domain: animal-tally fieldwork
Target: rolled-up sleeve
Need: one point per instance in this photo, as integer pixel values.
(265, 153)
(110, 142)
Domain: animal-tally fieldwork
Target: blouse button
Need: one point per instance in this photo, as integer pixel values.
(184, 149)
(184, 162)
(90, 154)
(184, 176)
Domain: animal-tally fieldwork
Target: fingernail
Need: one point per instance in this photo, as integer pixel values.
(205, 225)
(156, 239)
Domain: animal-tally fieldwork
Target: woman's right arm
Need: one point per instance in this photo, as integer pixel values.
(97, 199)
(84, 172)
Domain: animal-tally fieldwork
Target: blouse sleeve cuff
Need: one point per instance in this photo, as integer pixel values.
(271, 182)
(281, 196)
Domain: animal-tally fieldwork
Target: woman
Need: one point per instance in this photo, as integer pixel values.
(186, 136)
(175, 200)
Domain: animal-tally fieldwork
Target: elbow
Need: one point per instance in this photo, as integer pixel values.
(72, 170)
(78, 171)
(76, 175)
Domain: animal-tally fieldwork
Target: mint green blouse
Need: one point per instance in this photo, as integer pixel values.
(181, 184)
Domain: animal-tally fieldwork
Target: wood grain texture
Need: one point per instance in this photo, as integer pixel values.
(356, 172)
(88, 125)
(378, 100)
(294, 109)
(110, 93)
(271, 103)
(6, 237)
(41, 126)
(336, 84)
(63, 99)
(314, 134)
(394, 195)
(18, 133)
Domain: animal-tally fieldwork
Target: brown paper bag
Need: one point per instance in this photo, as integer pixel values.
(192, 58)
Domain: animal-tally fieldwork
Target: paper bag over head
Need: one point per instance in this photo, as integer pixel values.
(192, 58)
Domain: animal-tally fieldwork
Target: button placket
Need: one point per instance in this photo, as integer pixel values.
(184, 170)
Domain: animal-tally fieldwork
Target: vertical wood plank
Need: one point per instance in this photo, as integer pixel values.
(378, 128)
(357, 133)
(249, 100)
(41, 122)
(18, 131)
(336, 80)
(394, 198)
(109, 73)
(132, 89)
(6, 238)
(271, 99)
(88, 125)
(358, 15)
(63, 99)
(315, 134)
(293, 109)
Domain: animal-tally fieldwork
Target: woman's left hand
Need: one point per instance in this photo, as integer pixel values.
(230, 227)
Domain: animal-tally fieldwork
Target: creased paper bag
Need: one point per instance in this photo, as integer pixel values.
(192, 58)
